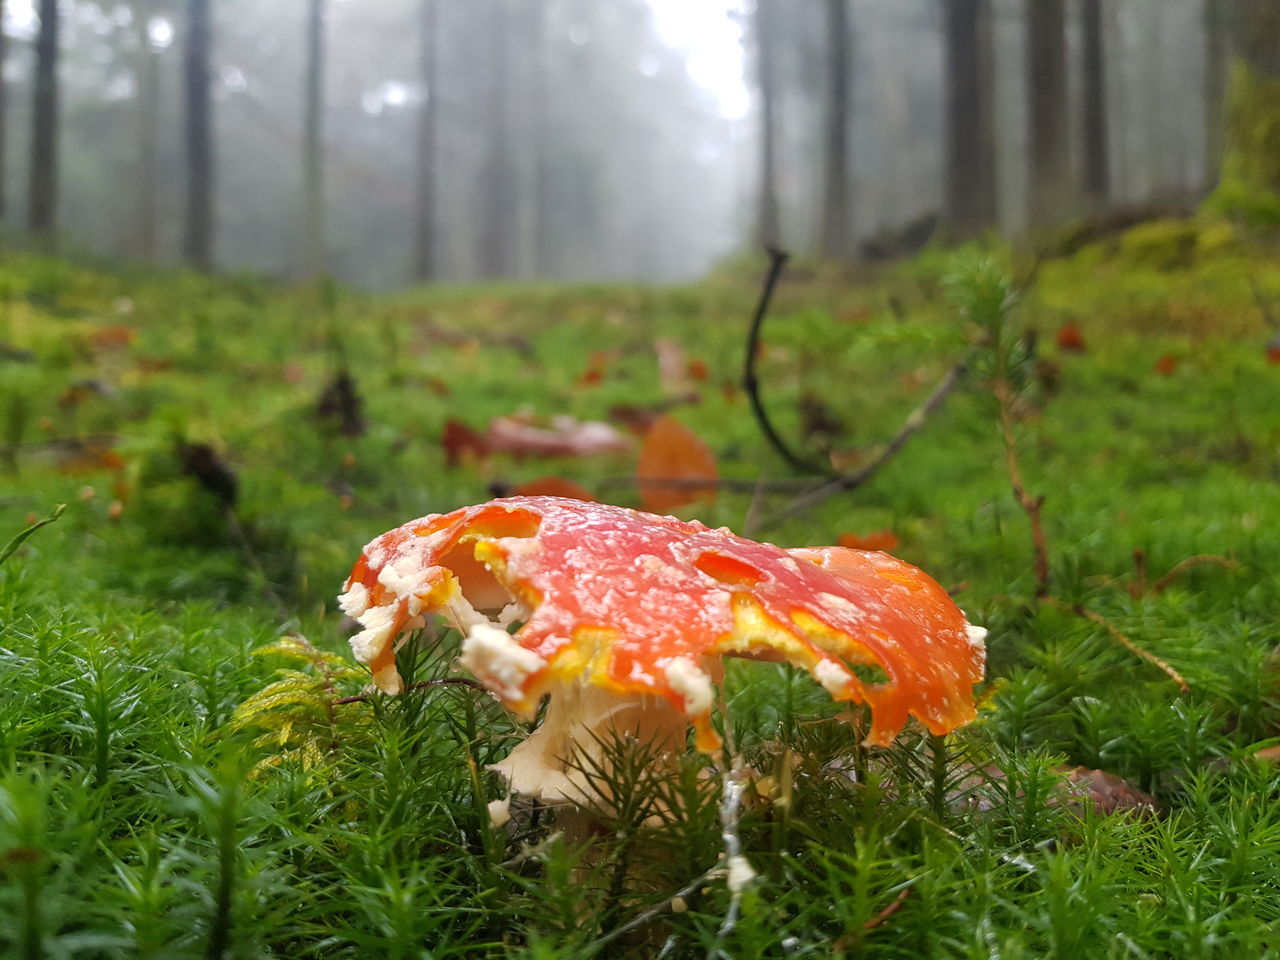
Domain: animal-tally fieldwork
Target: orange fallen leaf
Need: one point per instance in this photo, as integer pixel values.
(113, 335)
(1167, 365)
(698, 371)
(597, 365)
(90, 458)
(671, 451)
(554, 487)
(846, 460)
(1273, 349)
(876, 540)
(1070, 338)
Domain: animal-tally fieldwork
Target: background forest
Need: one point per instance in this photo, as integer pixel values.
(413, 139)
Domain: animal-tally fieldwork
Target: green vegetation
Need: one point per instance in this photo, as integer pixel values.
(1250, 186)
(178, 778)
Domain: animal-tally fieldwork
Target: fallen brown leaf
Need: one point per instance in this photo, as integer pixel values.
(673, 452)
(1070, 338)
(876, 540)
(564, 437)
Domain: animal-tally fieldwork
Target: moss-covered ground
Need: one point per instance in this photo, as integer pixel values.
(145, 811)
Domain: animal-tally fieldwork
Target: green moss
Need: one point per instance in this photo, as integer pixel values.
(1164, 244)
(1217, 237)
(1250, 186)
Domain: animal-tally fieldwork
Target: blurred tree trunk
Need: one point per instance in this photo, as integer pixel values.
(539, 141)
(971, 176)
(43, 196)
(424, 202)
(834, 238)
(770, 232)
(313, 205)
(1216, 48)
(1250, 181)
(539, 229)
(1050, 172)
(495, 245)
(1097, 169)
(527, 84)
(4, 113)
(198, 244)
(148, 105)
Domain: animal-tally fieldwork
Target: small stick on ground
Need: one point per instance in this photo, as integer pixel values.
(658, 909)
(888, 911)
(1139, 586)
(1198, 560)
(781, 485)
(1147, 655)
(851, 939)
(1030, 505)
(910, 426)
(751, 383)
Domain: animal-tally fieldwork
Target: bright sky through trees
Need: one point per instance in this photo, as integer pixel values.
(709, 33)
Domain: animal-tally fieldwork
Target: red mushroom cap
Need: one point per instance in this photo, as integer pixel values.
(635, 603)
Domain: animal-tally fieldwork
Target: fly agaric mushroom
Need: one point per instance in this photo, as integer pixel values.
(626, 616)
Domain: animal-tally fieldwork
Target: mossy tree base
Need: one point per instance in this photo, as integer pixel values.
(1250, 184)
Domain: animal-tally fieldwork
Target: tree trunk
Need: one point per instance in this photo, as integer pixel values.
(424, 259)
(43, 198)
(541, 181)
(198, 244)
(1050, 172)
(495, 252)
(313, 198)
(1250, 184)
(834, 239)
(770, 231)
(148, 79)
(1216, 43)
(971, 176)
(4, 113)
(1097, 168)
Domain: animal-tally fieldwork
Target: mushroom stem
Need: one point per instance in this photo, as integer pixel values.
(566, 759)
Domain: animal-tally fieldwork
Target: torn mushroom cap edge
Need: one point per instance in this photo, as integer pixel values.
(520, 677)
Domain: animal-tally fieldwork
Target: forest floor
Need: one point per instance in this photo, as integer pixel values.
(153, 802)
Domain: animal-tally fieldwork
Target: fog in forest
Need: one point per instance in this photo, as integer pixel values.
(578, 139)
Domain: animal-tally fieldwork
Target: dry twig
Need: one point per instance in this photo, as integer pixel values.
(1030, 505)
(1198, 560)
(1081, 610)
(751, 383)
(910, 426)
